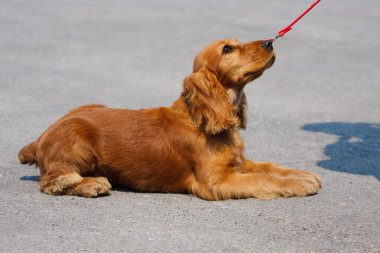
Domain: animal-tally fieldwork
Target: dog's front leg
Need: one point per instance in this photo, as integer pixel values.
(258, 183)
(278, 171)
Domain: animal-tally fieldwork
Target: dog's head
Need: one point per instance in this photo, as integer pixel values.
(233, 63)
(214, 92)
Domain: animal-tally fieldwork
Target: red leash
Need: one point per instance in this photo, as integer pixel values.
(289, 27)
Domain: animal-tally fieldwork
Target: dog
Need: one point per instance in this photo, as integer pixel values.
(192, 147)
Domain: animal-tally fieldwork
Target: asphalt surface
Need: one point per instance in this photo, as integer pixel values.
(317, 108)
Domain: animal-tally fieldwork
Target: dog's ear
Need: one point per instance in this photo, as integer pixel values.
(208, 102)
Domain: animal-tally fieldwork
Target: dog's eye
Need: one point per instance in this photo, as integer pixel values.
(227, 49)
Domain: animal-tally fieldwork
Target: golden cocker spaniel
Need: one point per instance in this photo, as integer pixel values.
(194, 146)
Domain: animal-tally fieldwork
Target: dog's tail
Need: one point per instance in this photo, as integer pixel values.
(27, 154)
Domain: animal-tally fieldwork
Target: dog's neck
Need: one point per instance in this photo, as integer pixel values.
(235, 96)
(238, 101)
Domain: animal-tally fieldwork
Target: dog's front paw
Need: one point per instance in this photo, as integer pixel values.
(301, 186)
(295, 173)
(317, 178)
(311, 176)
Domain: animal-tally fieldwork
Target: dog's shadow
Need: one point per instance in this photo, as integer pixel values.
(30, 178)
(357, 151)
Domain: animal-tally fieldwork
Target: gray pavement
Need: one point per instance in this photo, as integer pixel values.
(318, 108)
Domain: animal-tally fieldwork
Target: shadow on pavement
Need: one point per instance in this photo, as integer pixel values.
(30, 178)
(357, 151)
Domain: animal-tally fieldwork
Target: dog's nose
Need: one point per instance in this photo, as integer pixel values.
(267, 45)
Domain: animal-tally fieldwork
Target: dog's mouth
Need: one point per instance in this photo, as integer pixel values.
(270, 62)
(255, 74)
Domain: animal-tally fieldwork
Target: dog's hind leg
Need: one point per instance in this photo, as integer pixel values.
(90, 187)
(66, 156)
(62, 179)
(59, 177)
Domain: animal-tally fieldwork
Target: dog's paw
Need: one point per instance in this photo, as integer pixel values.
(311, 176)
(91, 187)
(317, 178)
(301, 186)
(296, 174)
(60, 184)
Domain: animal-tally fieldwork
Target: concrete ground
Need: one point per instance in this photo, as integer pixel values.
(318, 108)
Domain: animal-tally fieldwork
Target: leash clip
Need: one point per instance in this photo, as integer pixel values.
(274, 39)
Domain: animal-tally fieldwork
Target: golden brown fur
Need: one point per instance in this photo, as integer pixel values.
(194, 146)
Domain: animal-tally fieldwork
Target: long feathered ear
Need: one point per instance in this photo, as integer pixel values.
(208, 102)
